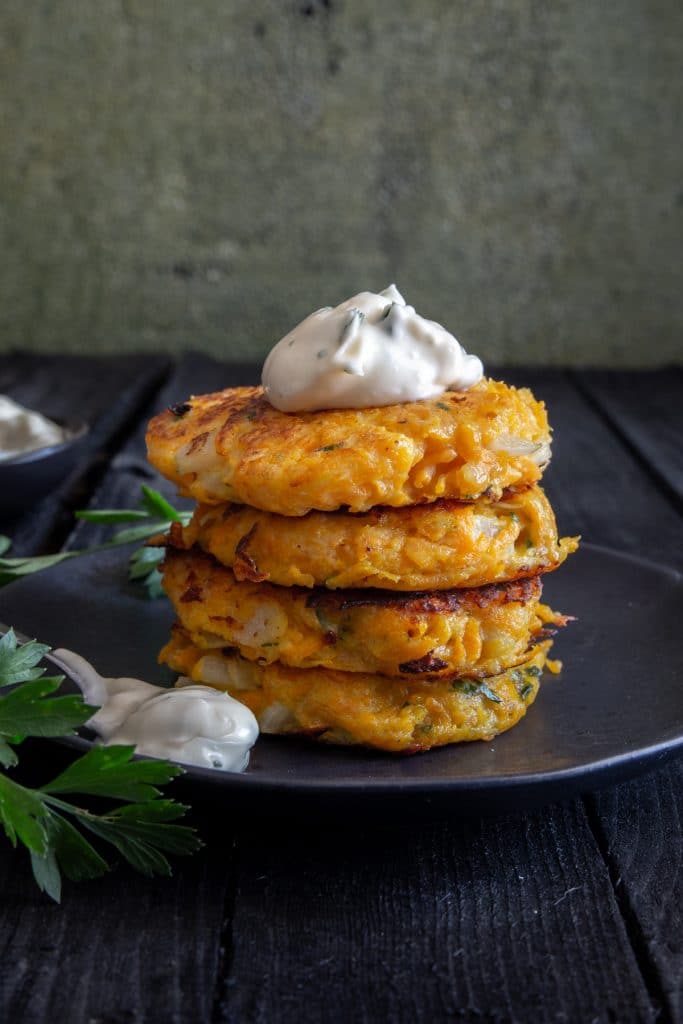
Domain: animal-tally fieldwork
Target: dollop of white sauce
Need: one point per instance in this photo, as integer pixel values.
(23, 430)
(373, 349)
(194, 725)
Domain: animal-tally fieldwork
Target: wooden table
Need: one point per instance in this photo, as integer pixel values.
(572, 913)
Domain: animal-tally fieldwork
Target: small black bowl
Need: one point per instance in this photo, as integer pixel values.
(26, 479)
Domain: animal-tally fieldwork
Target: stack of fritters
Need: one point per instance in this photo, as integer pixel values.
(365, 576)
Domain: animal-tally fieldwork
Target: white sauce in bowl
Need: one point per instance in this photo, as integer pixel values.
(23, 431)
(193, 725)
(371, 350)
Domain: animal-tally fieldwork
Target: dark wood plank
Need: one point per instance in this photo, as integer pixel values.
(640, 827)
(501, 920)
(599, 487)
(639, 824)
(120, 948)
(108, 393)
(646, 408)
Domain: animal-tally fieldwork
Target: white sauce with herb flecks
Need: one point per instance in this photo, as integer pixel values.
(23, 430)
(193, 725)
(371, 350)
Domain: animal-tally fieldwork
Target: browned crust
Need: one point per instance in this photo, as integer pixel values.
(244, 566)
(416, 603)
(410, 602)
(428, 663)
(403, 454)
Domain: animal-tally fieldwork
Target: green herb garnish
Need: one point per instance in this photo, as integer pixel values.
(472, 686)
(330, 447)
(489, 694)
(534, 670)
(51, 827)
(156, 515)
(143, 565)
(442, 405)
(351, 325)
(526, 690)
(466, 686)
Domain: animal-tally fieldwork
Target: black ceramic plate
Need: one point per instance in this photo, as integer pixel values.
(616, 709)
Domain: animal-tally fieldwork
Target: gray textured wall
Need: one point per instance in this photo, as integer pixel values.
(205, 173)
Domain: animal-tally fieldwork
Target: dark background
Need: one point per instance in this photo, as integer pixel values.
(204, 174)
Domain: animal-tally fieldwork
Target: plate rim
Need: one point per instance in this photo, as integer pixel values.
(570, 777)
(384, 787)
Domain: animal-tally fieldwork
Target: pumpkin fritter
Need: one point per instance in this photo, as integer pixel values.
(400, 715)
(428, 547)
(455, 632)
(233, 446)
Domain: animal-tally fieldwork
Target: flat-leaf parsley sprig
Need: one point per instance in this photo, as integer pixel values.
(46, 820)
(155, 515)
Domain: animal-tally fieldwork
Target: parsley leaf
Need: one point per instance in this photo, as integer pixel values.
(8, 758)
(23, 816)
(14, 568)
(18, 664)
(156, 505)
(154, 517)
(25, 710)
(143, 566)
(109, 771)
(142, 830)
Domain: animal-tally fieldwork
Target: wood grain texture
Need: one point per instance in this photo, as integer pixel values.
(640, 827)
(496, 920)
(646, 409)
(108, 394)
(598, 486)
(122, 948)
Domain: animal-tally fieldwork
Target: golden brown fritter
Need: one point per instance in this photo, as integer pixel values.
(400, 715)
(427, 547)
(233, 446)
(452, 632)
